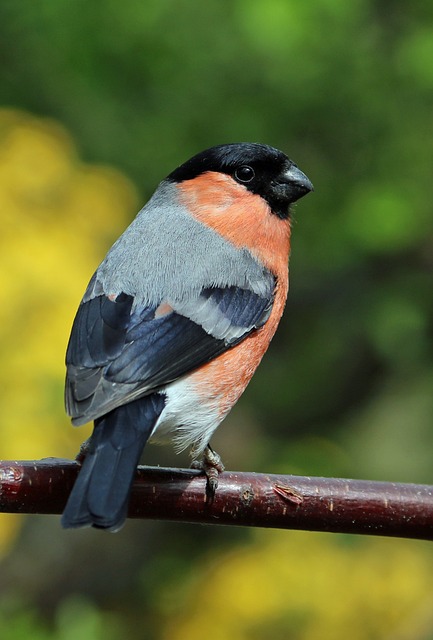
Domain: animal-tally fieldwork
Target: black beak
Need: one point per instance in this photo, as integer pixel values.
(296, 183)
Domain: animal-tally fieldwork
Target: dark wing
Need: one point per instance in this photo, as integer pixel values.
(119, 351)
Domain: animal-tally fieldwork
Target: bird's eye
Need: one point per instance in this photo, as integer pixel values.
(244, 173)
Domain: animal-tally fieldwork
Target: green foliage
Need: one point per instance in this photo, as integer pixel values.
(76, 618)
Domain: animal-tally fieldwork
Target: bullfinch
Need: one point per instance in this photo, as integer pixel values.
(177, 317)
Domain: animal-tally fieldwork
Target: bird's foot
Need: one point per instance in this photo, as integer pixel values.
(212, 466)
(84, 450)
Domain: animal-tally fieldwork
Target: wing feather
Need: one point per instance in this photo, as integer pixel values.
(119, 351)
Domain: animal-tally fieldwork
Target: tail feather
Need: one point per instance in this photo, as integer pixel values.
(100, 494)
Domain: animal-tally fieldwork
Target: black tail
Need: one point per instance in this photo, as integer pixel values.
(100, 494)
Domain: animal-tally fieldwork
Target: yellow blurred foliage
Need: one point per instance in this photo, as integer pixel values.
(58, 217)
(300, 586)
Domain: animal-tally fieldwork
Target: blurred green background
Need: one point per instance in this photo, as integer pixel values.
(101, 100)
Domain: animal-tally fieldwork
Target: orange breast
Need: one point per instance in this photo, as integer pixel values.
(242, 217)
(224, 379)
(245, 219)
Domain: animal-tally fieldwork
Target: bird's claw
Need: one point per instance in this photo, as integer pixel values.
(84, 450)
(212, 466)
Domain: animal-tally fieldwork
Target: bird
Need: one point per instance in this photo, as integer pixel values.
(176, 319)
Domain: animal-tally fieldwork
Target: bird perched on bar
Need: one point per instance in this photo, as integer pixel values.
(177, 317)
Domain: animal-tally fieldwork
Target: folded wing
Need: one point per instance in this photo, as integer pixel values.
(119, 350)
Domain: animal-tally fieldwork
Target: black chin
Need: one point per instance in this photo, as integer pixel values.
(280, 208)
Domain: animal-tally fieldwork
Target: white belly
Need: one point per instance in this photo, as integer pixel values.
(186, 419)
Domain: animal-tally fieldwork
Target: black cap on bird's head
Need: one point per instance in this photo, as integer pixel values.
(260, 168)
